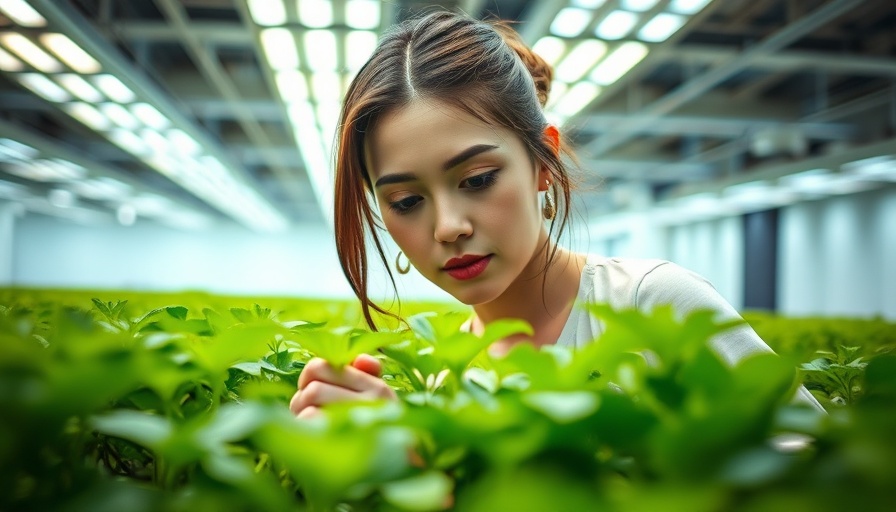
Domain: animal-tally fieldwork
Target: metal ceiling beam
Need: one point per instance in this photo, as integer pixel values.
(718, 127)
(706, 81)
(644, 170)
(786, 61)
(771, 172)
(216, 75)
(79, 29)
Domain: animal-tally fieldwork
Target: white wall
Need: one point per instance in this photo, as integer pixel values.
(838, 256)
(50, 252)
(713, 249)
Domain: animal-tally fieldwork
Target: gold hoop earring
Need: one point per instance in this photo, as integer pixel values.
(401, 270)
(549, 209)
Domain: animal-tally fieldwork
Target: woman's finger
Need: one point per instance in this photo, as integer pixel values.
(349, 377)
(368, 364)
(318, 394)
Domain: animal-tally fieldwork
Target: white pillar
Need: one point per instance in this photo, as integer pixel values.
(8, 213)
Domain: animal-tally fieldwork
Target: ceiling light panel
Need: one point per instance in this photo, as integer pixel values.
(88, 115)
(362, 14)
(9, 63)
(578, 97)
(79, 87)
(114, 88)
(688, 6)
(43, 87)
(279, 47)
(267, 13)
(22, 13)
(550, 49)
(291, 85)
(30, 52)
(571, 21)
(616, 25)
(619, 62)
(320, 50)
(359, 46)
(638, 5)
(315, 13)
(661, 27)
(70, 53)
(580, 60)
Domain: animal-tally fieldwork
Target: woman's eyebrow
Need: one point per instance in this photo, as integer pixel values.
(452, 162)
(394, 178)
(467, 154)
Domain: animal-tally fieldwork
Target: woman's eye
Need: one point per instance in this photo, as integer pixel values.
(481, 181)
(405, 205)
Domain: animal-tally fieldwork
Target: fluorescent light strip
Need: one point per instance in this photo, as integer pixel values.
(79, 87)
(550, 49)
(619, 62)
(150, 116)
(184, 143)
(326, 86)
(43, 87)
(571, 21)
(102, 188)
(310, 144)
(9, 63)
(30, 52)
(114, 88)
(359, 46)
(362, 14)
(48, 170)
(320, 50)
(588, 4)
(156, 141)
(17, 150)
(89, 115)
(577, 98)
(130, 142)
(688, 6)
(638, 5)
(661, 27)
(616, 25)
(22, 13)
(120, 115)
(71, 53)
(279, 47)
(315, 13)
(267, 13)
(580, 60)
(291, 85)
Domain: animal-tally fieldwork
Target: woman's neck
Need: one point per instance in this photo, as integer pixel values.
(543, 296)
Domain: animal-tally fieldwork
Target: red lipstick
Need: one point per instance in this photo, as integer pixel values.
(467, 266)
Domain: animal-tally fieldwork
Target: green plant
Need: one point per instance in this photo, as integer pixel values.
(111, 405)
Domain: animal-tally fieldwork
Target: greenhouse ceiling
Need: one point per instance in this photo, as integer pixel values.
(198, 111)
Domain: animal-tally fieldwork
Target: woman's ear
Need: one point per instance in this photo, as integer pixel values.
(552, 137)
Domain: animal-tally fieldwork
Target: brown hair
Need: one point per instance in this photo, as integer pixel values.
(481, 67)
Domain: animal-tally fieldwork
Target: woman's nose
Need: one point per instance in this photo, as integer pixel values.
(451, 223)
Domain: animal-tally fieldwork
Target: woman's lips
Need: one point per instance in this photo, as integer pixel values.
(466, 267)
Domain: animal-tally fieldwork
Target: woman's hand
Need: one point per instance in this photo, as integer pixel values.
(321, 384)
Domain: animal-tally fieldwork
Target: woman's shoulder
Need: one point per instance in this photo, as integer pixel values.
(630, 282)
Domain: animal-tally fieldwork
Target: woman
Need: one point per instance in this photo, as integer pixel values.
(444, 127)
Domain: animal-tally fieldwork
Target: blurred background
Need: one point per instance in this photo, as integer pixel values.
(186, 144)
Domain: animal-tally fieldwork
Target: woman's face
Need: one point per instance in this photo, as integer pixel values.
(459, 197)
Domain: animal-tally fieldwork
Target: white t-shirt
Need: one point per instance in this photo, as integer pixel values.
(646, 283)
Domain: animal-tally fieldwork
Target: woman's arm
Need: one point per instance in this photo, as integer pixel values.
(687, 292)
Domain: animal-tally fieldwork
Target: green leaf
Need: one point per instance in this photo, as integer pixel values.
(563, 406)
(178, 312)
(427, 491)
(145, 429)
